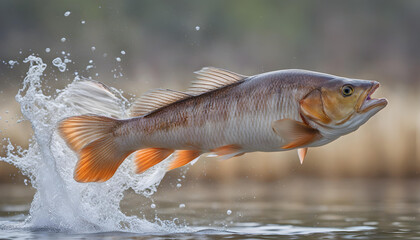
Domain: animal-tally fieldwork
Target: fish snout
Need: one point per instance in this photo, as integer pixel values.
(368, 102)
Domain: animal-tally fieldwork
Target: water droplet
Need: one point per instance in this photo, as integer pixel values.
(13, 62)
(25, 181)
(60, 64)
(178, 185)
(181, 205)
(153, 205)
(91, 61)
(197, 28)
(66, 14)
(63, 39)
(89, 67)
(118, 59)
(228, 212)
(56, 61)
(93, 48)
(47, 50)
(123, 52)
(83, 22)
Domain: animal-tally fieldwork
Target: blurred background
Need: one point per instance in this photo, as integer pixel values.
(139, 45)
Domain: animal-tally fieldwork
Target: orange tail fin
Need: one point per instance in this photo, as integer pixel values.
(92, 137)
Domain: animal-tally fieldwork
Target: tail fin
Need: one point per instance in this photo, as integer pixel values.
(93, 138)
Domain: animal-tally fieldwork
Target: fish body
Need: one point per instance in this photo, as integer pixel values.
(223, 113)
(240, 114)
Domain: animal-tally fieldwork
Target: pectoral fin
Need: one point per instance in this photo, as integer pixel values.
(295, 133)
(302, 153)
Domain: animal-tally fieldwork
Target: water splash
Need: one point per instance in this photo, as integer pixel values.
(60, 203)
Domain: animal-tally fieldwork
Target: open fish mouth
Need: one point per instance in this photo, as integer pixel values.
(371, 103)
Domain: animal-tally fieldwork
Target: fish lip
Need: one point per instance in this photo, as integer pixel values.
(369, 103)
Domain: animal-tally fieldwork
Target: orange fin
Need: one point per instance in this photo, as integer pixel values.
(99, 161)
(79, 131)
(295, 133)
(147, 158)
(92, 137)
(183, 157)
(302, 153)
(228, 151)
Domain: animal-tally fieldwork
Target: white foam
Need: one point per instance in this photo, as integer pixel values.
(60, 203)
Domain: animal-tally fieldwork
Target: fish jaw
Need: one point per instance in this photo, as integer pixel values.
(367, 103)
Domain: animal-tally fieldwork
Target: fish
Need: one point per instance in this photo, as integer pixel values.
(222, 113)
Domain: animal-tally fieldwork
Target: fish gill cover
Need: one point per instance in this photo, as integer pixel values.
(60, 203)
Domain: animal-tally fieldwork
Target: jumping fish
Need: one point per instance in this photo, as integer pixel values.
(225, 114)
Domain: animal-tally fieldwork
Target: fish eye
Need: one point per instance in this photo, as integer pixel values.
(347, 90)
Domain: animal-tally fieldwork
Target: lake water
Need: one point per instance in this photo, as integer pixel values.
(290, 209)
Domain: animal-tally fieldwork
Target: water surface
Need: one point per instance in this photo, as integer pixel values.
(293, 209)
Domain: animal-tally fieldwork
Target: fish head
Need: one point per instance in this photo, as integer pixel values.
(340, 105)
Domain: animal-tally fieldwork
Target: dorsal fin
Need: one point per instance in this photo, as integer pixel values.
(92, 97)
(210, 78)
(155, 99)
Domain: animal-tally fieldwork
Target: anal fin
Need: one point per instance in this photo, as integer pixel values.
(147, 158)
(295, 133)
(183, 157)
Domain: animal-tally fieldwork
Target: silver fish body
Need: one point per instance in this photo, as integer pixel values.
(225, 113)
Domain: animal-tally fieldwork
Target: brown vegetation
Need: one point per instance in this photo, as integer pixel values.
(361, 39)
